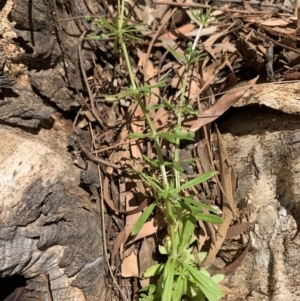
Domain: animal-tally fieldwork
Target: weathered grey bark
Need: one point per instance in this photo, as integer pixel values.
(263, 145)
(48, 223)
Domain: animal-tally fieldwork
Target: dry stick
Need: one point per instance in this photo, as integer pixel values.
(46, 279)
(113, 146)
(96, 159)
(85, 79)
(57, 16)
(278, 44)
(218, 8)
(102, 208)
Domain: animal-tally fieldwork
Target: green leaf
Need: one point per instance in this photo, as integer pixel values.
(179, 57)
(202, 256)
(137, 136)
(190, 161)
(150, 181)
(162, 250)
(185, 135)
(202, 178)
(154, 270)
(217, 278)
(210, 218)
(210, 289)
(199, 204)
(178, 167)
(168, 280)
(169, 137)
(189, 110)
(142, 219)
(187, 231)
(167, 104)
(163, 104)
(154, 163)
(178, 290)
(192, 209)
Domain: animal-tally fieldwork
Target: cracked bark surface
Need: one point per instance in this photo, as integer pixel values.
(263, 146)
(48, 222)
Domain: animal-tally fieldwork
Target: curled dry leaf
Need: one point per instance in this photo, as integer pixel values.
(227, 197)
(233, 266)
(222, 105)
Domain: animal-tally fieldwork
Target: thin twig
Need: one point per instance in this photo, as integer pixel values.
(102, 208)
(219, 8)
(46, 279)
(95, 159)
(86, 80)
(277, 43)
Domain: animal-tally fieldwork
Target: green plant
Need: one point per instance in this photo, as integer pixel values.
(180, 275)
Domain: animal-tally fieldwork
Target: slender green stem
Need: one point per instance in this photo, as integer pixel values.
(197, 37)
(141, 103)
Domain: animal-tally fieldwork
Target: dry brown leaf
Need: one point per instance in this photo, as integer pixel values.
(227, 214)
(176, 81)
(204, 32)
(167, 43)
(161, 118)
(274, 22)
(129, 267)
(194, 89)
(222, 105)
(209, 71)
(89, 116)
(137, 126)
(211, 40)
(226, 290)
(154, 225)
(238, 229)
(233, 266)
(151, 71)
(147, 254)
(182, 30)
(112, 206)
(225, 47)
(154, 97)
(202, 237)
(118, 241)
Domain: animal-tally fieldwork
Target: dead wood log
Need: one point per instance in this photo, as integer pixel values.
(263, 146)
(47, 223)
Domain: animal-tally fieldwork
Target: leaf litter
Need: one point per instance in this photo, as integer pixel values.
(236, 43)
